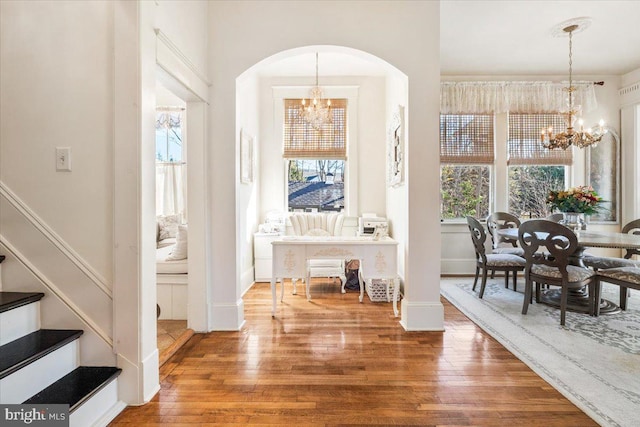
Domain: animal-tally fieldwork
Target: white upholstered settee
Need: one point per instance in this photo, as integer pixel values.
(320, 224)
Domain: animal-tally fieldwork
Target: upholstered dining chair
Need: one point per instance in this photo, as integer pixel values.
(625, 277)
(503, 245)
(494, 262)
(552, 265)
(601, 263)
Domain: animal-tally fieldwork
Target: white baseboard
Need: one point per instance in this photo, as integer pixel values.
(422, 316)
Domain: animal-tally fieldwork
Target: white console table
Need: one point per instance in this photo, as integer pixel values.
(378, 259)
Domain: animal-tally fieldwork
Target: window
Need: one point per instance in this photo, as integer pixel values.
(171, 180)
(168, 135)
(316, 159)
(490, 163)
(533, 170)
(315, 185)
(466, 156)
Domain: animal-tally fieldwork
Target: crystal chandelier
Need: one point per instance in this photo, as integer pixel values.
(318, 112)
(582, 138)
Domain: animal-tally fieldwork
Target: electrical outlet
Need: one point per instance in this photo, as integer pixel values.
(63, 159)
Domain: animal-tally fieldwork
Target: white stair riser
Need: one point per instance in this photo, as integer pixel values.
(19, 322)
(33, 378)
(100, 410)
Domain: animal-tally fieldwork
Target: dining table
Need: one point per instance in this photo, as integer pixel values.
(578, 299)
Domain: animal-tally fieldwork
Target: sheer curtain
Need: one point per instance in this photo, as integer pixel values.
(171, 189)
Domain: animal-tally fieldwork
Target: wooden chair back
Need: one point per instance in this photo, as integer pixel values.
(478, 237)
(498, 221)
(632, 228)
(546, 242)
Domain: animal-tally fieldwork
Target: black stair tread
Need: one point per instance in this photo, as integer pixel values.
(2, 258)
(11, 300)
(76, 387)
(29, 348)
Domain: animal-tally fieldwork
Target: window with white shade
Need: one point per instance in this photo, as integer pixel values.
(316, 159)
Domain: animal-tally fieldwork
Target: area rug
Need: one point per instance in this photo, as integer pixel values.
(593, 361)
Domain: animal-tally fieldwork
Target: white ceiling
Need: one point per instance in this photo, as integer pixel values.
(508, 37)
(514, 37)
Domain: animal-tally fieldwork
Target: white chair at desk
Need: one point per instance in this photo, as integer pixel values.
(320, 224)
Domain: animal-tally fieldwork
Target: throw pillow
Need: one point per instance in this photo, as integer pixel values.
(168, 226)
(180, 249)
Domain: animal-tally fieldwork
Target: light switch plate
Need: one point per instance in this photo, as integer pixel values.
(63, 159)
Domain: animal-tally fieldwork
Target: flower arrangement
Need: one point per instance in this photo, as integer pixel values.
(581, 199)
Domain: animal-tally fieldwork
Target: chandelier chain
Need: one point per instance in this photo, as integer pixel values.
(318, 112)
(581, 138)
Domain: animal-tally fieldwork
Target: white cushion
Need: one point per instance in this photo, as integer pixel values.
(169, 267)
(317, 232)
(166, 242)
(180, 248)
(168, 226)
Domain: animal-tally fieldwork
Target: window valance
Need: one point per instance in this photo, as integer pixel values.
(515, 97)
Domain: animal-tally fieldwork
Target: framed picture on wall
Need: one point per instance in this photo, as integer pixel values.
(395, 148)
(247, 149)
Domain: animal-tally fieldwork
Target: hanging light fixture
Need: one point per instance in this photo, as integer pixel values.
(580, 138)
(318, 111)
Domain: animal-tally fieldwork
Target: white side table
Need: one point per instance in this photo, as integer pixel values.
(262, 255)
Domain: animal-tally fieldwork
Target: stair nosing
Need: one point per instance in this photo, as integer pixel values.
(29, 297)
(72, 407)
(74, 334)
(95, 391)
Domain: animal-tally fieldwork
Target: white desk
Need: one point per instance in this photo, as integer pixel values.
(378, 259)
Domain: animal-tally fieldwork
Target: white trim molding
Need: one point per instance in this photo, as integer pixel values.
(175, 63)
(630, 94)
(84, 317)
(55, 239)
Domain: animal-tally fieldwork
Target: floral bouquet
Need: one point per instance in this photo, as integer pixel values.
(582, 199)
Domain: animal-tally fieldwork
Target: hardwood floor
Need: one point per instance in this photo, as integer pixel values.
(334, 361)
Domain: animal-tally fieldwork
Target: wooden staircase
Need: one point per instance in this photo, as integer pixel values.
(41, 366)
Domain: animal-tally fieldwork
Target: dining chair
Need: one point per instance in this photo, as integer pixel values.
(548, 247)
(601, 263)
(498, 221)
(494, 262)
(625, 277)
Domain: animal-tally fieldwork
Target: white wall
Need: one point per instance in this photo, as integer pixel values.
(247, 122)
(243, 34)
(366, 147)
(630, 134)
(52, 96)
(396, 197)
(185, 24)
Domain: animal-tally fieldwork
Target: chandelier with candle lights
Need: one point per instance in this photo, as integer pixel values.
(580, 138)
(318, 111)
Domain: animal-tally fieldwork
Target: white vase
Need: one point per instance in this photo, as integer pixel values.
(574, 221)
